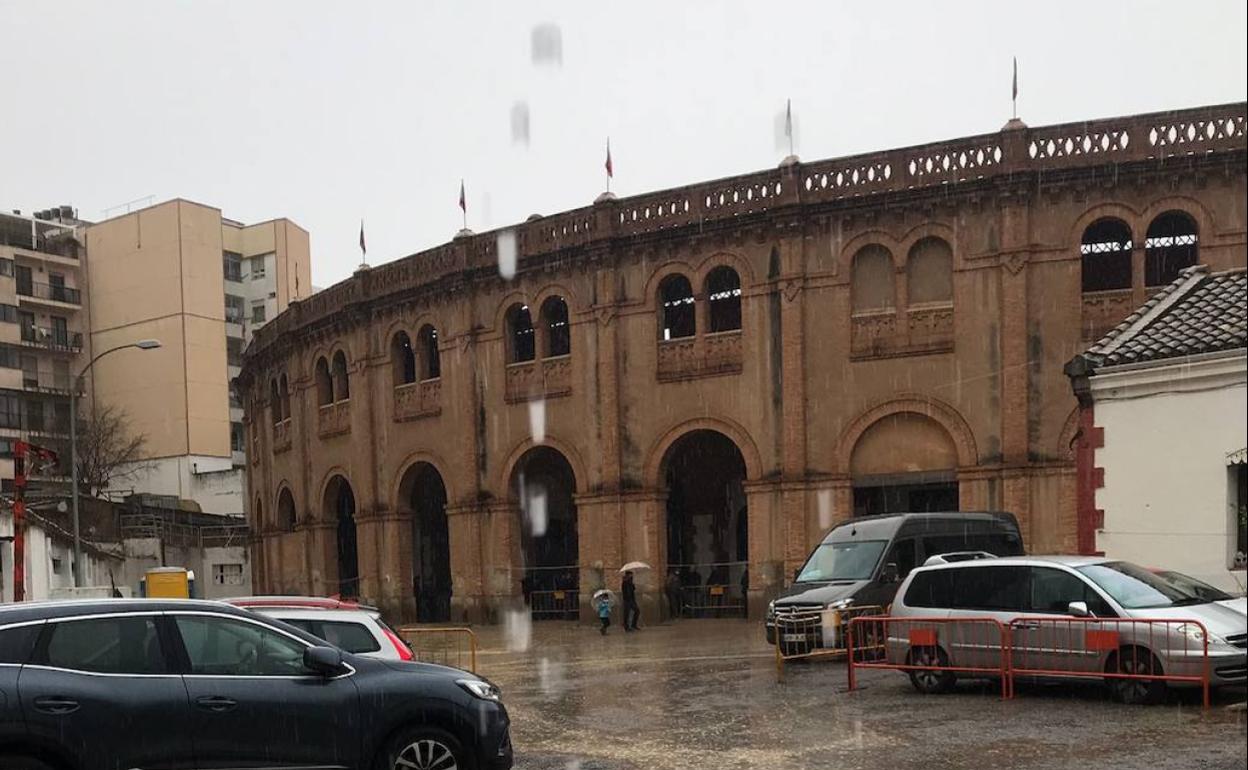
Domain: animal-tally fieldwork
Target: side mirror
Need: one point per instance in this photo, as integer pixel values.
(1079, 609)
(889, 575)
(326, 661)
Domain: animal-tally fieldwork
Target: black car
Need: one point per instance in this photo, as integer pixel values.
(861, 562)
(159, 685)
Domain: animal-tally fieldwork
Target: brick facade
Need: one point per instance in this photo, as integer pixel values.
(967, 388)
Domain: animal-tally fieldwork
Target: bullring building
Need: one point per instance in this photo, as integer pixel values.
(708, 378)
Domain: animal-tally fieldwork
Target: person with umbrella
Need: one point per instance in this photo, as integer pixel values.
(602, 601)
(632, 611)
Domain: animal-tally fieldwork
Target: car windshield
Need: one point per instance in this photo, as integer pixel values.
(853, 560)
(1195, 587)
(1136, 588)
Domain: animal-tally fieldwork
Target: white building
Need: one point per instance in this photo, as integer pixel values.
(50, 558)
(1164, 400)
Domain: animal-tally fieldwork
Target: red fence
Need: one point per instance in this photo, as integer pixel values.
(1132, 653)
(1135, 656)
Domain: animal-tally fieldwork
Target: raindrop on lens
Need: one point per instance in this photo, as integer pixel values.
(825, 509)
(537, 420)
(547, 42)
(507, 255)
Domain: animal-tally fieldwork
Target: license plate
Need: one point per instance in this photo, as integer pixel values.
(717, 590)
(793, 637)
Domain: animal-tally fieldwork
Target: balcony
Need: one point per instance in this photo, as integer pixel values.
(281, 436)
(531, 380)
(56, 294)
(418, 399)
(334, 419)
(920, 330)
(51, 339)
(46, 383)
(706, 355)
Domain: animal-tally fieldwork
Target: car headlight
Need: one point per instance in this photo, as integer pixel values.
(1197, 634)
(481, 688)
(771, 607)
(840, 604)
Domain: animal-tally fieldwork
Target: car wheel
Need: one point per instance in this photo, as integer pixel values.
(1135, 661)
(927, 681)
(424, 748)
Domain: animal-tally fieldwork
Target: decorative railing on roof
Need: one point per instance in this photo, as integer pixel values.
(1014, 150)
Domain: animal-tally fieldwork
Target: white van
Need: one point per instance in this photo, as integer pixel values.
(1009, 588)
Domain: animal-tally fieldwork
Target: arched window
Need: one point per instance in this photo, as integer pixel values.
(430, 362)
(679, 316)
(324, 383)
(555, 324)
(342, 382)
(723, 292)
(1106, 250)
(283, 392)
(1169, 247)
(929, 272)
(286, 516)
(872, 282)
(402, 359)
(521, 344)
(275, 402)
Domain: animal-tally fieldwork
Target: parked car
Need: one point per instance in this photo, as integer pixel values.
(107, 684)
(1204, 590)
(1007, 589)
(861, 562)
(355, 628)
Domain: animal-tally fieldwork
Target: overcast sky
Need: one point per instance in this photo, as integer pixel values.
(329, 112)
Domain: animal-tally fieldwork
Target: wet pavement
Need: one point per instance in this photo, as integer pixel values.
(704, 695)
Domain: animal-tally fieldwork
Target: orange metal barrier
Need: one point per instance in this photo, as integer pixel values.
(1119, 650)
(816, 634)
(941, 645)
(450, 646)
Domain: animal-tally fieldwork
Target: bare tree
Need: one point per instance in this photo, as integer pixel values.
(108, 451)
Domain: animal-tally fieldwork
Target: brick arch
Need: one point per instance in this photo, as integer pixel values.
(722, 259)
(499, 327)
(276, 506)
(873, 237)
(412, 460)
(517, 453)
(932, 229)
(663, 271)
(1107, 210)
(944, 415)
(1190, 206)
(653, 472)
(555, 290)
(319, 513)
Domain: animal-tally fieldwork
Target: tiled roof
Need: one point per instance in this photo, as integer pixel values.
(1199, 312)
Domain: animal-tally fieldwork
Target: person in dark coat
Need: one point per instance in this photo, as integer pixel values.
(632, 612)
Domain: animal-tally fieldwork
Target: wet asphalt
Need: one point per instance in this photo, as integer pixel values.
(704, 695)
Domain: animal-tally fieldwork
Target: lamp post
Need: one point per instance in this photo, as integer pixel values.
(73, 445)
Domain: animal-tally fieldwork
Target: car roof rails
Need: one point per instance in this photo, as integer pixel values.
(955, 556)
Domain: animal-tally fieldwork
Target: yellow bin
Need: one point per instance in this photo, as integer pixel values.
(168, 583)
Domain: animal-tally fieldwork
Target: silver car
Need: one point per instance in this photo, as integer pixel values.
(1065, 616)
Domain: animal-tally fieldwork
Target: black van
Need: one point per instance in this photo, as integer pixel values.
(861, 562)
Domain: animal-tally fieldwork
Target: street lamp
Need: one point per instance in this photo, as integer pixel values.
(73, 445)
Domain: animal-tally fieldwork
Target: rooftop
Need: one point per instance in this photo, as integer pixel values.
(1198, 313)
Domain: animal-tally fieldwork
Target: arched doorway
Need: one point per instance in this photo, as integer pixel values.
(339, 507)
(423, 495)
(707, 526)
(904, 463)
(543, 483)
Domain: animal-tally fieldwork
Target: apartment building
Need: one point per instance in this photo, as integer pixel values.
(181, 273)
(43, 319)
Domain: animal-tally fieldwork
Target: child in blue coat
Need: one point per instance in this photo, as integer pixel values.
(604, 612)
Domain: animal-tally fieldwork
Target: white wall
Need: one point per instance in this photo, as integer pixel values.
(1166, 498)
(213, 482)
(49, 563)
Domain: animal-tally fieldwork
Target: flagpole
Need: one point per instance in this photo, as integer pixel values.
(1014, 91)
(608, 162)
